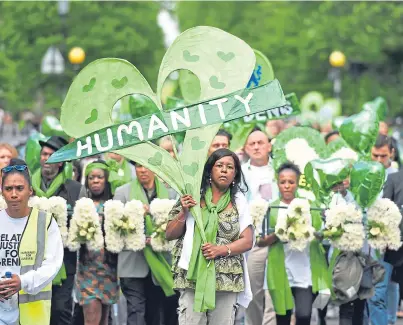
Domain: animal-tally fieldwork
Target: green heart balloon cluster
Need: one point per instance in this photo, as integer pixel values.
(324, 174)
(367, 179)
(361, 130)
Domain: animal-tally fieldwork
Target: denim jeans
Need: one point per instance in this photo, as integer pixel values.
(378, 304)
(393, 301)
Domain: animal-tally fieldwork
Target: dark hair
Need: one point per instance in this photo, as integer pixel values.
(77, 166)
(383, 140)
(224, 133)
(239, 180)
(107, 194)
(330, 134)
(289, 166)
(109, 257)
(25, 173)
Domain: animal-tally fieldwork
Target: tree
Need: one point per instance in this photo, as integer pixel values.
(298, 38)
(126, 30)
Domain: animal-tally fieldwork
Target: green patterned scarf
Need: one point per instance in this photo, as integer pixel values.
(200, 270)
(277, 279)
(160, 268)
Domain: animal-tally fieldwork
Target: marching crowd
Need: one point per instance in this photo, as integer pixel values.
(257, 281)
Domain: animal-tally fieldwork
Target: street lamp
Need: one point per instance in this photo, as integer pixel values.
(76, 57)
(337, 60)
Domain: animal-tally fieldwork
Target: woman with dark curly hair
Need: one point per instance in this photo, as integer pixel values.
(226, 219)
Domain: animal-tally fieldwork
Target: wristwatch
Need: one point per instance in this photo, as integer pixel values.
(228, 251)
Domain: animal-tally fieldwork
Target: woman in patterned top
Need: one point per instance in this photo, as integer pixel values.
(226, 213)
(97, 285)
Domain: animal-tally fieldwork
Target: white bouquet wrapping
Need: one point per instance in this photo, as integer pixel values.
(3, 204)
(57, 206)
(124, 226)
(383, 220)
(85, 227)
(295, 227)
(258, 209)
(344, 227)
(159, 209)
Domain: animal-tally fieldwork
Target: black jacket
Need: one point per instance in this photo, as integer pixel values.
(393, 190)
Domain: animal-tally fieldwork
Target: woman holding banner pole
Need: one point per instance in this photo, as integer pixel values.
(226, 216)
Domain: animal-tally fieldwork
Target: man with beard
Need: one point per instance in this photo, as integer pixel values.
(50, 180)
(146, 301)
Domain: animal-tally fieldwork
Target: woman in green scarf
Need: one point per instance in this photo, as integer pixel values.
(229, 232)
(293, 277)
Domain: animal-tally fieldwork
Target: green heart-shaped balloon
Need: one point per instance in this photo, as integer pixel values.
(323, 174)
(33, 151)
(378, 105)
(51, 126)
(360, 131)
(367, 179)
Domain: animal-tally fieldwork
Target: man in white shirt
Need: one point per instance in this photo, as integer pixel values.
(260, 178)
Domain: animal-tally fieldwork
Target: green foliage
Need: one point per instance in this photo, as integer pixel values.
(298, 38)
(125, 30)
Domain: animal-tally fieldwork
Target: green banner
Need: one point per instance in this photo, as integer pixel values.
(291, 108)
(153, 126)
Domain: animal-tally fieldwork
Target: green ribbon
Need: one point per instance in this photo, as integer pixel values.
(200, 270)
(90, 167)
(277, 279)
(160, 268)
(332, 263)
(114, 179)
(54, 186)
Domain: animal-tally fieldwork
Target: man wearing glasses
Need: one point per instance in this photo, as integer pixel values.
(50, 180)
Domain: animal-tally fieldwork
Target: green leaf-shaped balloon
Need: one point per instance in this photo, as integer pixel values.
(380, 106)
(33, 151)
(360, 131)
(323, 174)
(51, 126)
(367, 179)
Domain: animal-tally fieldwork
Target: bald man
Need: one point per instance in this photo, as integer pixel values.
(260, 178)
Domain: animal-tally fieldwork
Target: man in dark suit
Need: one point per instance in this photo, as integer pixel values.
(393, 190)
(50, 180)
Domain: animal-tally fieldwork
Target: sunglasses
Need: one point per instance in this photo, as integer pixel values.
(19, 168)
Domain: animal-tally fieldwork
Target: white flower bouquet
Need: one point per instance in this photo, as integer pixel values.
(57, 206)
(258, 209)
(124, 226)
(295, 227)
(159, 209)
(85, 227)
(344, 228)
(383, 220)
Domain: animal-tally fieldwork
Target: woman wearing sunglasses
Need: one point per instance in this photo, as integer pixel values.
(31, 250)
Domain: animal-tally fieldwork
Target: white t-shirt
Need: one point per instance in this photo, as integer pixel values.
(297, 264)
(33, 281)
(256, 178)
